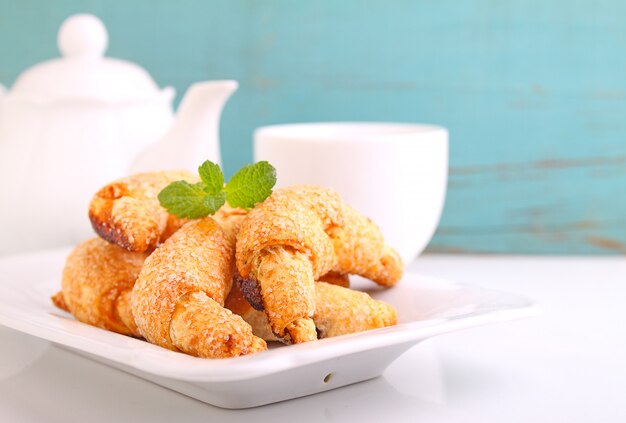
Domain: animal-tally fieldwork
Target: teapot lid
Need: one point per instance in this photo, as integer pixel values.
(83, 71)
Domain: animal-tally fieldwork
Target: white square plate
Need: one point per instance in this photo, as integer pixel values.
(426, 307)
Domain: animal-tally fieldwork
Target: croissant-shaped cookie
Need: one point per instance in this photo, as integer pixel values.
(178, 299)
(127, 212)
(338, 311)
(97, 283)
(298, 234)
(283, 245)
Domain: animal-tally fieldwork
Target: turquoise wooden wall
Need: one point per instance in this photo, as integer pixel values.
(533, 92)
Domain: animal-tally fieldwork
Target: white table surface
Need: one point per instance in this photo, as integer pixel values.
(567, 365)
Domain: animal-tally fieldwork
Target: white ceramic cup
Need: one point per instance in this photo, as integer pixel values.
(394, 173)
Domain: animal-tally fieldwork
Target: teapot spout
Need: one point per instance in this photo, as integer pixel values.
(194, 136)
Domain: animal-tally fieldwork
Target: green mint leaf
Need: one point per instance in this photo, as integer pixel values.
(213, 203)
(191, 201)
(251, 185)
(212, 176)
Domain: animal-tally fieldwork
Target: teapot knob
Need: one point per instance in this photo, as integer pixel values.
(82, 35)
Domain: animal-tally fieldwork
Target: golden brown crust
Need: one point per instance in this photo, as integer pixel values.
(230, 219)
(295, 217)
(287, 291)
(125, 312)
(96, 276)
(236, 303)
(283, 245)
(127, 212)
(177, 300)
(196, 258)
(338, 311)
(336, 278)
(251, 291)
(59, 301)
(360, 249)
(301, 224)
(203, 328)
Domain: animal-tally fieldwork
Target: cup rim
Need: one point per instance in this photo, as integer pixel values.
(346, 131)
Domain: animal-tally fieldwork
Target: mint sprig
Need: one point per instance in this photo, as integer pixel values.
(248, 187)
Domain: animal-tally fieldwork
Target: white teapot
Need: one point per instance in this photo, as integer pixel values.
(70, 125)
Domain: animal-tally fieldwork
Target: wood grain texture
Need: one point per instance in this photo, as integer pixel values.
(533, 92)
